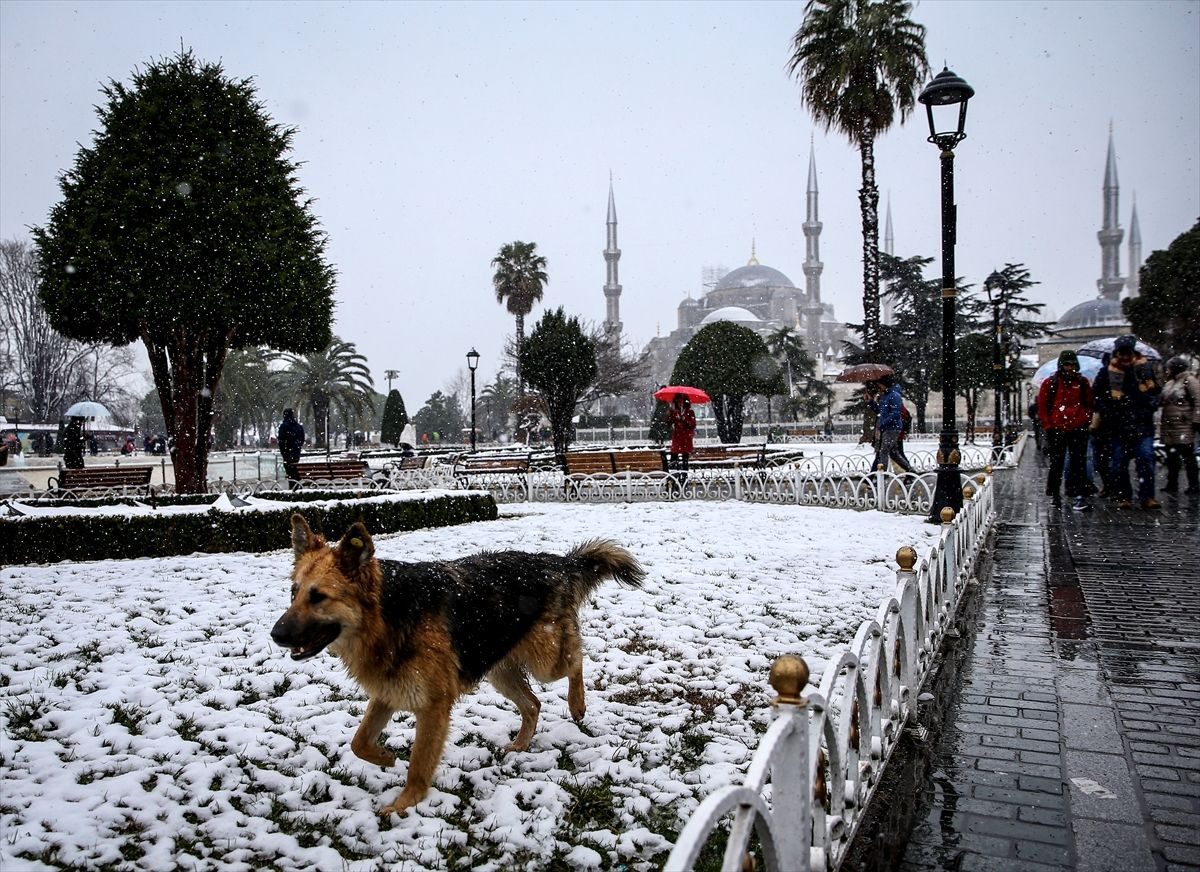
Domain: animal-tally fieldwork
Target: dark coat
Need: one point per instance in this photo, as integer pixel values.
(1126, 398)
(291, 439)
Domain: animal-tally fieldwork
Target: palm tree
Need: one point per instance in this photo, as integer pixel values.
(336, 378)
(519, 280)
(858, 61)
(246, 396)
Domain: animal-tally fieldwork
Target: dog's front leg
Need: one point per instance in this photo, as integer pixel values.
(433, 723)
(365, 743)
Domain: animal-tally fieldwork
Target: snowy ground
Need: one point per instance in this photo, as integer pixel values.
(148, 722)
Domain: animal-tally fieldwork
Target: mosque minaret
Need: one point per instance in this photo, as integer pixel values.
(612, 255)
(812, 261)
(1110, 282)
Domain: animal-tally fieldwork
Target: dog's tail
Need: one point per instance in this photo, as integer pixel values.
(600, 560)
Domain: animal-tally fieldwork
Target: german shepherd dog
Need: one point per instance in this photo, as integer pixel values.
(416, 636)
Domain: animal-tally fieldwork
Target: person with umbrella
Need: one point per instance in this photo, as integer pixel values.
(683, 428)
(1127, 393)
(1064, 404)
(883, 398)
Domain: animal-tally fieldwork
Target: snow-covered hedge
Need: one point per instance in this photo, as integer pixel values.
(45, 533)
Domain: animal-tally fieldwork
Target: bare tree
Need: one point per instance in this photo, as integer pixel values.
(621, 370)
(39, 364)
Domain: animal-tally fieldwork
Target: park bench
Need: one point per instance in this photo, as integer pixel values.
(729, 456)
(333, 470)
(470, 466)
(415, 462)
(608, 467)
(102, 478)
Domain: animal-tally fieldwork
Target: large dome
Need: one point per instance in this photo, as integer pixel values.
(1099, 312)
(754, 275)
(736, 314)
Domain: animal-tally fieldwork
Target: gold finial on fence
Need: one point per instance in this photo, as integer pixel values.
(980, 479)
(988, 469)
(968, 491)
(947, 515)
(789, 675)
(906, 557)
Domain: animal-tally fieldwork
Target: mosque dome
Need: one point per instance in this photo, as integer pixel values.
(754, 275)
(1099, 312)
(736, 314)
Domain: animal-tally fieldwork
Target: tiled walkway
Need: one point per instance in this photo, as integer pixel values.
(1073, 741)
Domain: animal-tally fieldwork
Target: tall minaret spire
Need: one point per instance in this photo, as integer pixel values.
(812, 260)
(612, 254)
(1133, 282)
(1110, 282)
(888, 305)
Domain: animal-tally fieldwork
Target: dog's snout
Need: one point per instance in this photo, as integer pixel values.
(284, 632)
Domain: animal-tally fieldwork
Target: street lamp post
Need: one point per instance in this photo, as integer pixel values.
(472, 364)
(993, 285)
(944, 93)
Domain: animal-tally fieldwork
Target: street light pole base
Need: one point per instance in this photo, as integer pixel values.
(947, 492)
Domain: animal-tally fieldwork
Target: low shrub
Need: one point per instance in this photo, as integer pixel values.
(49, 539)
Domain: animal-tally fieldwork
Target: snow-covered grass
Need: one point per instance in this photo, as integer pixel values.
(148, 721)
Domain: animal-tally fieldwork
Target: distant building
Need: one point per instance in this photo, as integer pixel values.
(1102, 316)
(762, 298)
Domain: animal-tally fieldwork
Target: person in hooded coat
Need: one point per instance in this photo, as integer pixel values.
(291, 440)
(1180, 423)
(1127, 395)
(1064, 405)
(683, 428)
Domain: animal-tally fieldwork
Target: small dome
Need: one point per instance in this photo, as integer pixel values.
(689, 303)
(736, 314)
(1094, 313)
(754, 275)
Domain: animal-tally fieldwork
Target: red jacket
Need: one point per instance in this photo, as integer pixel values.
(683, 426)
(1071, 406)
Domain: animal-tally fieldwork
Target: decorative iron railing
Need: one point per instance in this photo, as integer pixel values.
(819, 763)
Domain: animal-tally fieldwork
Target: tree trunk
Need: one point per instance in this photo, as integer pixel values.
(868, 197)
(520, 318)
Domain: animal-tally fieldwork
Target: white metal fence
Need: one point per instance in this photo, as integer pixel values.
(819, 763)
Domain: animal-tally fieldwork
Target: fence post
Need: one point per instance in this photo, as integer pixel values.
(791, 791)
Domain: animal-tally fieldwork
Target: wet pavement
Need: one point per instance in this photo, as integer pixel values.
(1062, 730)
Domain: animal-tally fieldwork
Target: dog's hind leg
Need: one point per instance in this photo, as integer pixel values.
(509, 678)
(365, 743)
(433, 723)
(575, 700)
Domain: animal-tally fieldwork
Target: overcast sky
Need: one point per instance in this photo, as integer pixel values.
(431, 134)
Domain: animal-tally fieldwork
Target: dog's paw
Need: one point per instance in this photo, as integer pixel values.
(517, 745)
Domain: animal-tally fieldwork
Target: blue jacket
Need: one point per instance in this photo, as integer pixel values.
(888, 409)
(1126, 399)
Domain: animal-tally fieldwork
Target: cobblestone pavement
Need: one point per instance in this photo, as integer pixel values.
(1073, 740)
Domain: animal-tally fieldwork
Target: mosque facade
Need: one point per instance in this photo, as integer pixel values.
(756, 296)
(1102, 316)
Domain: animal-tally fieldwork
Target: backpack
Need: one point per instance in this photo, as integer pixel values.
(905, 420)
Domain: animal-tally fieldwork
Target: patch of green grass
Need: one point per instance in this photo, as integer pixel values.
(591, 806)
(23, 715)
(128, 716)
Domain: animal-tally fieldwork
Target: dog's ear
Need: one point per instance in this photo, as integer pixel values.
(303, 538)
(356, 548)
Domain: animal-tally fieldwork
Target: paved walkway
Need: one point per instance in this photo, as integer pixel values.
(1072, 738)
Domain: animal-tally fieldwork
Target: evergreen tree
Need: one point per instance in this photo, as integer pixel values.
(184, 208)
(559, 362)
(1166, 313)
(440, 415)
(729, 362)
(395, 418)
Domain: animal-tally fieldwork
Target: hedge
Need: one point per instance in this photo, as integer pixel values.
(106, 537)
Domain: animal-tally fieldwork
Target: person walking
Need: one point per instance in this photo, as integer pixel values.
(73, 443)
(1064, 402)
(1127, 393)
(683, 428)
(291, 440)
(1180, 423)
(883, 398)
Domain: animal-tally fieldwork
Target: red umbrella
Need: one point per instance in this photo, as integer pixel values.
(667, 394)
(865, 372)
